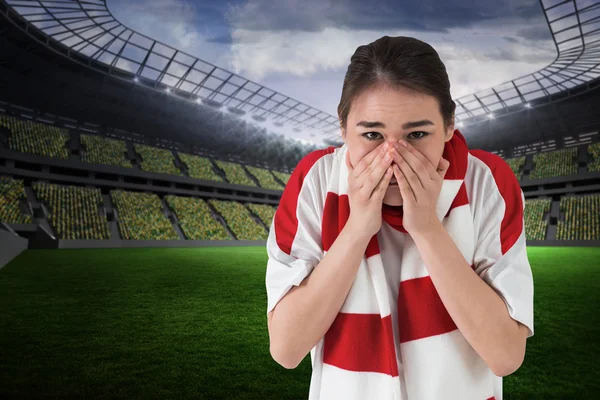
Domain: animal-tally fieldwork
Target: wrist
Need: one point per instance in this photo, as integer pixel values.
(357, 231)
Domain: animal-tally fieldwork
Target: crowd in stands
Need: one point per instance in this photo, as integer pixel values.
(142, 217)
(581, 218)
(100, 150)
(594, 152)
(74, 210)
(235, 173)
(282, 176)
(11, 193)
(239, 219)
(199, 167)
(265, 178)
(264, 212)
(554, 163)
(36, 138)
(516, 164)
(195, 219)
(535, 224)
(158, 160)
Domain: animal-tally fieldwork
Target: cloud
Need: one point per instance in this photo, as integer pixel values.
(318, 15)
(535, 33)
(510, 39)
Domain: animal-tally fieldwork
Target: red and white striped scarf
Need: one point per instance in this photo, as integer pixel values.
(357, 358)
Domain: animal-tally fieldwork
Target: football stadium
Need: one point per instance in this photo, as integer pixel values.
(138, 184)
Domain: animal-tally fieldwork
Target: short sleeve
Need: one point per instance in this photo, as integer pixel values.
(294, 246)
(500, 251)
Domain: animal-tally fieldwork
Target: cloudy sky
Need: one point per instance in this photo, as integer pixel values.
(302, 48)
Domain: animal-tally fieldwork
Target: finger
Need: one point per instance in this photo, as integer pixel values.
(379, 192)
(412, 178)
(375, 172)
(443, 167)
(405, 189)
(418, 162)
(367, 160)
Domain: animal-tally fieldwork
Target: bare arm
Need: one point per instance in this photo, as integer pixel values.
(305, 313)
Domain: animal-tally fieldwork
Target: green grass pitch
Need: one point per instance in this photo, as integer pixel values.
(191, 324)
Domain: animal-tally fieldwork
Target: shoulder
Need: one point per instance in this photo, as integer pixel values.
(488, 173)
(313, 168)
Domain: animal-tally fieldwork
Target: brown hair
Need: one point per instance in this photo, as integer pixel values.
(397, 62)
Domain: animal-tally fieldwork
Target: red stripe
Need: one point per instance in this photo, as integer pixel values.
(508, 185)
(361, 342)
(461, 198)
(286, 220)
(421, 312)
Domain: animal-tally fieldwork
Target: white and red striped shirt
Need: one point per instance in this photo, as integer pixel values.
(295, 247)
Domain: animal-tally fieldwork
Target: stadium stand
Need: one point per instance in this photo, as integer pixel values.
(101, 150)
(195, 219)
(581, 218)
(157, 160)
(265, 179)
(264, 212)
(235, 173)
(199, 167)
(12, 191)
(36, 138)
(516, 164)
(239, 220)
(535, 224)
(74, 210)
(594, 152)
(283, 177)
(554, 163)
(141, 216)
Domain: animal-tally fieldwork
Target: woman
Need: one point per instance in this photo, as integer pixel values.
(398, 259)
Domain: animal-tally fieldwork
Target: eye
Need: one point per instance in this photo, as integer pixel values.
(420, 137)
(371, 138)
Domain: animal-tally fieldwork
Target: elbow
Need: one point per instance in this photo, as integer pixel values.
(508, 366)
(283, 358)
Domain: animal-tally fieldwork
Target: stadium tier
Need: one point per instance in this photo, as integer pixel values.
(141, 216)
(101, 150)
(554, 163)
(283, 177)
(200, 167)
(265, 179)
(74, 211)
(535, 223)
(240, 220)
(157, 160)
(264, 212)
(581, 218)
(235, 173)
(12, 192)
(516, 164)
(36, 138)
(594, 152)
(195, 219)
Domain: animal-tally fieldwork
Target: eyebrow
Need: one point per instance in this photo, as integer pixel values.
(406, 125)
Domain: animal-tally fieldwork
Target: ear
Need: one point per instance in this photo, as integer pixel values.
(449, 133)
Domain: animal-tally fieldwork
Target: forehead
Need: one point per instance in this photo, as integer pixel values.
(381, 103)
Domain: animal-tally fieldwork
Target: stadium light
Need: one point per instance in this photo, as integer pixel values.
(527, 105)
(459, 124)
(135, 79)
(491, 116)
(168, 90)
(198, 101)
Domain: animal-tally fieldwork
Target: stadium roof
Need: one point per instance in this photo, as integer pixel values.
(88, 28)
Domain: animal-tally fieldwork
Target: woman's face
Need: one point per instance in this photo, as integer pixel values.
(399, 114)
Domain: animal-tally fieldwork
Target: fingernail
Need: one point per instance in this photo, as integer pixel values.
(386, 146)
(403, 143)
(388, 156)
